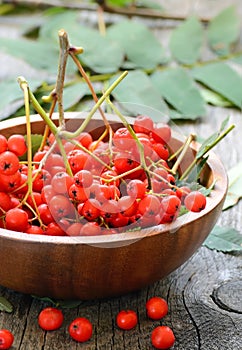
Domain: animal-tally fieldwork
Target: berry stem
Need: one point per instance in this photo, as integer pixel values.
(67, 134)
(185, 147)
(25, 88)
(206, 149)
(133, 134)
(22, 81)
(72, 53)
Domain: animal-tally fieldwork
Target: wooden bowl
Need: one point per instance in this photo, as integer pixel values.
(107, 265)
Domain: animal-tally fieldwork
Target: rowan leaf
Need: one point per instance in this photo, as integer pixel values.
(235, 186)
(139, 44)
(187, 40)
(100, 54)
(73, 94)
(178, 89)
(224, 30)
(12, 96)
(40, 55)
(224, 239)
(137, 95)
(214, 98)
(221, 78)
(5, 305)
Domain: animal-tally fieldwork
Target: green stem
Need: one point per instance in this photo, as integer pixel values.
(38, 108)
(208, 148)
(186, 145)
(66, 134)
(133, 134)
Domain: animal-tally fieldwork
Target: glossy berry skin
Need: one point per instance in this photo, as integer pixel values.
(80, 329)
(127, 319)
(17, 144)
(6, 339)
(156, 308)
(50, 319)
(143, 124)
(3, 144)
(162, 337)
(9, 163)
(195, 201)
(16, 219)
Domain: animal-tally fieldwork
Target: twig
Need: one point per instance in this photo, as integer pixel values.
(64, 52)
(146, 13)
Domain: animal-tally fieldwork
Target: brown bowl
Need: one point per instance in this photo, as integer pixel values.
(107, 265)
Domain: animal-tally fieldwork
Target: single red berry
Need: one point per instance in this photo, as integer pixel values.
(91, 209)
(161, 133)
(17, 144)
(156, 308)
(60, 206)
(80, 329)
(90, 229)
(61, 182)
(79, 194)
(143, 124)
(74, 229)
(149, 205)
(9, 163)
(6, 339)
(10, 183)
(83, 178)
(195, 201)
(53, 229)
(5, 202)
(122, 139)
(85, 139)
(136, 189)
(34, 230)
(50, 319)
(162, 150)
(170, 204)
(126, 319)
(162, 337)
(16, 219)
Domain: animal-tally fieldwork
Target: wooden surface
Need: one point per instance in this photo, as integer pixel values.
(204, 295)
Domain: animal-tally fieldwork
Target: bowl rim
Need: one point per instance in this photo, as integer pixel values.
(216, 196)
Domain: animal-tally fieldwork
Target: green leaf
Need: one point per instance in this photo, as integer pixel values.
(137, 95)
(101, 54)
(5, 305)
(40, 55)
(176, 86)
(36, 140)
(64, 304)
(235, 186)
(225, 239)
(211, 140)
(221, 78)
(224, 30)
(10, 93)
(138, 43)
(214, 99)
(73, 94)
(186, 41)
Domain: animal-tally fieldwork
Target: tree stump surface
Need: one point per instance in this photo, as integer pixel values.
(204, 295)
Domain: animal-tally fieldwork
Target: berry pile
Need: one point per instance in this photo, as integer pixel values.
(100, 187)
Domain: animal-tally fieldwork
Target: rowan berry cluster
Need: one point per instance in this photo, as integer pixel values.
(102, 187)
